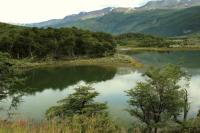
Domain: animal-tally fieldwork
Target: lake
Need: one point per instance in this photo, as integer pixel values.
(48, 85)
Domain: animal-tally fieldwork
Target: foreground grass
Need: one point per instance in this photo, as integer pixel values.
(78, 124)
(116, 60)
(85, 124)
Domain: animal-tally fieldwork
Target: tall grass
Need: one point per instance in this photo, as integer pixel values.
(77, 124)
(84, 124)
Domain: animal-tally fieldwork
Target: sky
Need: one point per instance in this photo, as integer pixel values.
(30, 11)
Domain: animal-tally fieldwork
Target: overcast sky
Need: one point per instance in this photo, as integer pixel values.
(29, 11)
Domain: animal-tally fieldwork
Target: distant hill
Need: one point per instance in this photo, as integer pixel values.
(73, 17)
(156, 22)
(78, 17)
(170, 4)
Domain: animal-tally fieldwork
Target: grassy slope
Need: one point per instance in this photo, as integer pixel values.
(156, 22)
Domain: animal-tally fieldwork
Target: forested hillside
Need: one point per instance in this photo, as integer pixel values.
(155, 22)
(169, 4)
(142, 40)
(22, 42)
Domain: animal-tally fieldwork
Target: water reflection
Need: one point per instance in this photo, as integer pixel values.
(194, 94)
(62, 77)
(111, 91)
(47, 82)
(187, 59)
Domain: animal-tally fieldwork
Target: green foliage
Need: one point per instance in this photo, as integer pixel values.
(81, 102)
(142, 40)
(9, 76)
(159, 98)
(64, 42)
(5, 29)
(82, 113)
(189, 126)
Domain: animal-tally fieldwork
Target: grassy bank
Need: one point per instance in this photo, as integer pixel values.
(111, 61)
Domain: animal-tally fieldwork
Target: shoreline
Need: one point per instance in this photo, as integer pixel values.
(126, 48)
(117, 60)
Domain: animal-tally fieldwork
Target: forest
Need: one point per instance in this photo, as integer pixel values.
(142, 40)
(56, 43)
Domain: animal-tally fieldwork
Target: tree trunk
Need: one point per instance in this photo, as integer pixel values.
(156, 130)
(30, 51)
(186, 106)
(72, 52)
(17, 55)
(148, 130)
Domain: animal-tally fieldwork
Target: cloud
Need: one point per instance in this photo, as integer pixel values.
(26, 11)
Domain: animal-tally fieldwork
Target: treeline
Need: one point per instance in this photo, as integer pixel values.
(142, 40)
(64, 42)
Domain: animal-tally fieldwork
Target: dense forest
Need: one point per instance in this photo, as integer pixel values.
(142, 40)
(57, 43)
(146, 40)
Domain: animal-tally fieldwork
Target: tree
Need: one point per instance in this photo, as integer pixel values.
(67, 45)
(81, 102)
(160, 97)
(57, 43)
(9, 78)
(82, 114)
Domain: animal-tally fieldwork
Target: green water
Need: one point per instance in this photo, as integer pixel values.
(187, 59)
(46, 86)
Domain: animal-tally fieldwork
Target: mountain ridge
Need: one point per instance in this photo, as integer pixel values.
(162, 22)
(156, 22)
(169, 4)
(80, 16)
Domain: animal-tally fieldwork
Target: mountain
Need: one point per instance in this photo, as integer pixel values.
(73, 17)
(170, 4)
(177, 21)
(78, 17)
(155, 22)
